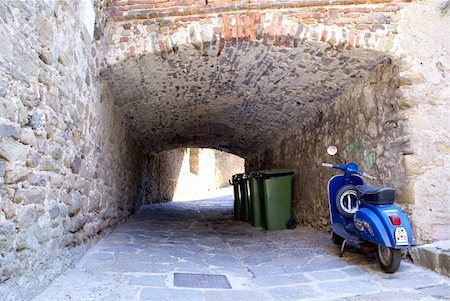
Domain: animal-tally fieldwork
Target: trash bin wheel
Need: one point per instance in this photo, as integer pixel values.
(291, 223)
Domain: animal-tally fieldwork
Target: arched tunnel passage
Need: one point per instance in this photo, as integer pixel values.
(186, 174)
(277, 107)
(86, 104)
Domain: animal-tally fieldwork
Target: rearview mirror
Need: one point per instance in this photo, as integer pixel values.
(332, 150)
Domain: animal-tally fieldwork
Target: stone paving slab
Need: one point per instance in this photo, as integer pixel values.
(138, 261)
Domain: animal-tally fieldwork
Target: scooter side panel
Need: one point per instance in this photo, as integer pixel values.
(334, 184)
(383, 212)
(371, 228)
(383, 232)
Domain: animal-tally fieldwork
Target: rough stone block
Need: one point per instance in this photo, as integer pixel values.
(74, 203)
(37, 180)
(26, 217)
(7, 48)
(76, 223)
(18, 173)
(7, 233)
(8, 129)
(76, 164)
(48, 164)
(4, 88)
(28, 137)
(2, 168)
(12, 150)
(33, 195)
(56, 180)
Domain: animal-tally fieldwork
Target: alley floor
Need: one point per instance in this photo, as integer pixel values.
(141, 258)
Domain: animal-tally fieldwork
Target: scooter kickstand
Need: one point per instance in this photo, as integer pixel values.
(342, 248)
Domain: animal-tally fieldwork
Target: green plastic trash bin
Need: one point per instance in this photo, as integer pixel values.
(247, 180)
(277, 197)
(245, 198)
(237, 206)
(257, 202)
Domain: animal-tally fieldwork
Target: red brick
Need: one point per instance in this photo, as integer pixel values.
(301, 16)
(309, 21)
(226, 28)
(132, 51)
(387, 8)
(324, 35)
(375, 27)
(318, 15)
(357, 9)
(351, 39)
(120, 3)
(252, 26)
(363, 26)
(351, 15)
(239, 29)
(378, 1)
(320, 10)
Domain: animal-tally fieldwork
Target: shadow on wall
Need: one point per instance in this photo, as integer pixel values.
(186, 173)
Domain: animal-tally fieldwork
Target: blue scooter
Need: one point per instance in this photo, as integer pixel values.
(366, 215)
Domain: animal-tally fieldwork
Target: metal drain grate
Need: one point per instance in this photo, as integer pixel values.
(200, 280)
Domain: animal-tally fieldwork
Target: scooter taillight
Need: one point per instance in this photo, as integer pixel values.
(395, 220)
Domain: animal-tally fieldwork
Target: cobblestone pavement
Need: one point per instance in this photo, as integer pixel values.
(138, 261)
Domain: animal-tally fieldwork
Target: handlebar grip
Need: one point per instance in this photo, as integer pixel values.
(327, 165)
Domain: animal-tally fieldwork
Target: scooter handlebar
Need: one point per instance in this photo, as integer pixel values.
(327, 165)
(368, 176)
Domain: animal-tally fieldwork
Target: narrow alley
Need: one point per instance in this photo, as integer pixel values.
(140, 259)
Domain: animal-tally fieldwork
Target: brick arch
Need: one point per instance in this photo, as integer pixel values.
(138, 27)
(228, 78)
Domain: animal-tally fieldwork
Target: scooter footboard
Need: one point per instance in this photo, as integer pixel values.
(371, 228)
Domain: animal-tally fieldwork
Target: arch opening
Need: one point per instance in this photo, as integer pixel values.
(185, 174)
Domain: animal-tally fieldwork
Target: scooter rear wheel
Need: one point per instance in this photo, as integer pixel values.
(389, 258)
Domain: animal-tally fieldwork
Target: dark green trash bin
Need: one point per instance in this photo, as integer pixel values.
(237, 206)
(256, 200)
(245, 199)
(277, 197)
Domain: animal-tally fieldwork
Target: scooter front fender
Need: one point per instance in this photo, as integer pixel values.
(371, 228)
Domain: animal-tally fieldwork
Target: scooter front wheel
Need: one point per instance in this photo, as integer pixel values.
(389, 258)
(337, 240)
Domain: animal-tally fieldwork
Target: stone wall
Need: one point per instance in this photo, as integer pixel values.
(226, 166)
(422, 45)
(363, 123)
(400, 137)
(67, 166)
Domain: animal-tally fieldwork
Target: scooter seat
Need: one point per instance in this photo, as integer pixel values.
(375, 195)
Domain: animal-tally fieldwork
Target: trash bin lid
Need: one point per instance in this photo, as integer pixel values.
(274, 173)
